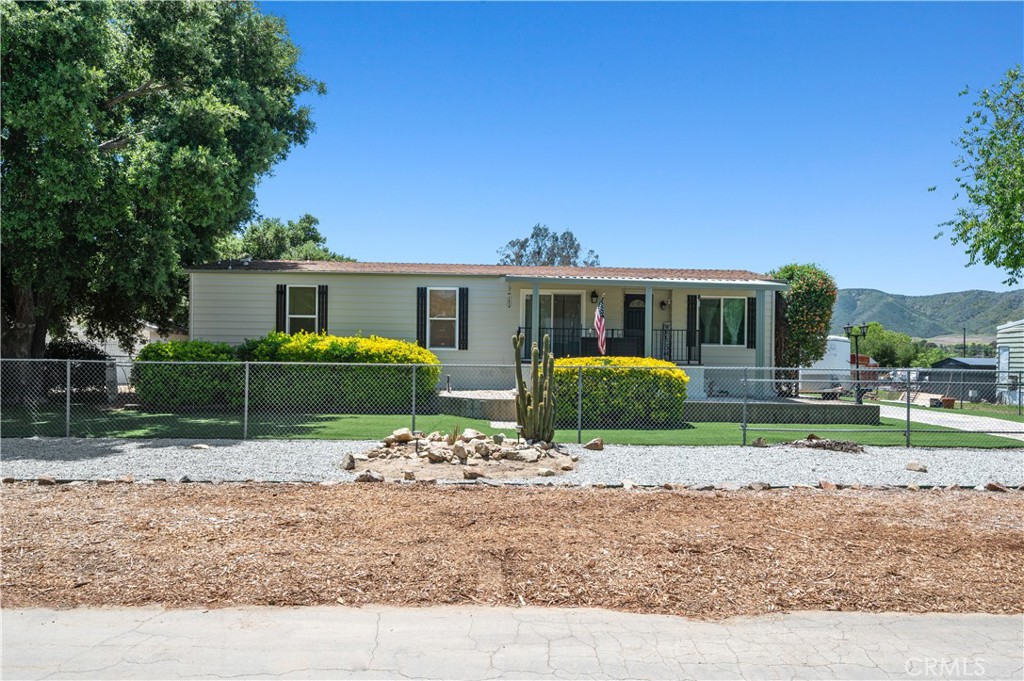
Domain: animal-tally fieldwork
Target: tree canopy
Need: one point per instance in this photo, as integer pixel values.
(272, 239)
(804, 314)
(546, 247)
(133, 136)
(991, 166)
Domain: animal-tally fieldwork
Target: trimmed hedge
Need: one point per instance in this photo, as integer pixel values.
(620, 392)
(281, 375)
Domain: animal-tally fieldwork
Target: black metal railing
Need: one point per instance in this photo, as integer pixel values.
(674, 345)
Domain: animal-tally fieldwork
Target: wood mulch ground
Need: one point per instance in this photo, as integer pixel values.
(707, 555)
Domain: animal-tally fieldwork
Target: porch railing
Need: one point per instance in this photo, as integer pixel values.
(674, 345)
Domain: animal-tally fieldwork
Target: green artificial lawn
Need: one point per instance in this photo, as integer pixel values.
(90, 422)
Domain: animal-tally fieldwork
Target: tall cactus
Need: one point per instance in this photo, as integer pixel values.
(535, 407)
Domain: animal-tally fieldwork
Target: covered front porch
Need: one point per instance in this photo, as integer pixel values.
(687, 322)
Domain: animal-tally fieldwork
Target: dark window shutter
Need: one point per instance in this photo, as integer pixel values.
(463, 318)
(421, 316)
(692, 332)
(751, 322)
(321, 308)
(282, 308)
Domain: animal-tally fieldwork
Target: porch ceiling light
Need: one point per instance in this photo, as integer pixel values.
(593, 296)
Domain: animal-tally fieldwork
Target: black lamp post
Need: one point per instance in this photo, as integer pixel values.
(855, 333)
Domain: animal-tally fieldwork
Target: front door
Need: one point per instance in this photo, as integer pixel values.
(633, 322)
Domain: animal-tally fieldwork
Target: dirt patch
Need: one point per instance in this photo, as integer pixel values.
(707, 555)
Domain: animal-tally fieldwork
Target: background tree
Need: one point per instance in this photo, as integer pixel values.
(991, 224)
(271, 239)
(133, 136)
(889, 348)
(803, 314)
(546, 247)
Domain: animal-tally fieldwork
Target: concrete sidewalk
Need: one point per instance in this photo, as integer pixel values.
(479, 643)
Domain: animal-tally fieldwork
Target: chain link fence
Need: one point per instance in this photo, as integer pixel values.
(693, 405)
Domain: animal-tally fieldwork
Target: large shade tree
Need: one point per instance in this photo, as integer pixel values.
(547, 247)
(134, 134)
(991, 165)
(272, 239)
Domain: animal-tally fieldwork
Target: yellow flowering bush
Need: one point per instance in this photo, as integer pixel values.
(620, 392)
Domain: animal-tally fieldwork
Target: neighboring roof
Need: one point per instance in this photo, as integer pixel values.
(976, 362)
(1009, 325)
(511, 271)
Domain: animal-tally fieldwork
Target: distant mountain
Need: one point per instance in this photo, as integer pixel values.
(928, 316)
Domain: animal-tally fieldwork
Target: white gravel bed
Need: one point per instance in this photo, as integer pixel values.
(319, 460)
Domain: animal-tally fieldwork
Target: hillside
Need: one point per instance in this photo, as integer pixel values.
(929, 316)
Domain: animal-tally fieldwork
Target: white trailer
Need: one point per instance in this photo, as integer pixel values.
(830, 371)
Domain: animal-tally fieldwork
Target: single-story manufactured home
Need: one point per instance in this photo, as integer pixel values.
(467, 314)
(968, 379)
(1010, 361)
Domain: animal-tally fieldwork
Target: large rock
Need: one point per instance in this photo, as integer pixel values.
(436, 456)
(348, 462)
(545, 472)
(459, 450)
(472, 474)
(402, 435)
(916, 466)
(994, 486)
(597, 444)
(481, 448)
(529, 455)
(369, 476)
(471, 434)
(498, 438)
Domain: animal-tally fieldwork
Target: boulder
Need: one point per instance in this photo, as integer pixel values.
(529, 456)
(597, 444)
(482, 448)
(498, 438)
(390, 440)
(459, 451)
(916, 466)
(45, 480)
(369, 476)
(348, 462)
(408, 474)
(472, 474)
(470, 434)
(436, 456)
(402, 435)
(545, 472)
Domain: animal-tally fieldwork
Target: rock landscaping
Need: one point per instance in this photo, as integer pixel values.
(466, 455)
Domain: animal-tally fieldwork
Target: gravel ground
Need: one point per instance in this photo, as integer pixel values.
(318, 460)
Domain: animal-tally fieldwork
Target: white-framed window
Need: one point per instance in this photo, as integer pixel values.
(723, 321)
(443, 318)
(302, 309)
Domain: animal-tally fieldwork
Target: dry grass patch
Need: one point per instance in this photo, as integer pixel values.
(708, 555)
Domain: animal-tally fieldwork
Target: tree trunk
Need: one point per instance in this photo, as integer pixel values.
(24, 337)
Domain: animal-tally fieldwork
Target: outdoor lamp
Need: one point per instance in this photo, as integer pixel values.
(663, 305)
(593, 296)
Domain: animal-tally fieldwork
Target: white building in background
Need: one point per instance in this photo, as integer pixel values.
(1010, 362)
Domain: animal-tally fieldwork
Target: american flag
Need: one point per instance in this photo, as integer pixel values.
(599, 326)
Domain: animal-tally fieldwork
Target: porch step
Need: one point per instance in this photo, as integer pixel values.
(488, 405)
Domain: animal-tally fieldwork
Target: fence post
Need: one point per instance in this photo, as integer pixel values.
(908, 408)
(413, 398)
(67, 399)
(579, 405)
(245, 405)
(743, 425)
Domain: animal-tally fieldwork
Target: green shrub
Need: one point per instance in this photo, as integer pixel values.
(297, 372)
(174, 385)
(85, 376)
(620, 392)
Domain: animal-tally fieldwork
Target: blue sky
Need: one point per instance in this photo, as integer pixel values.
(707, 135)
